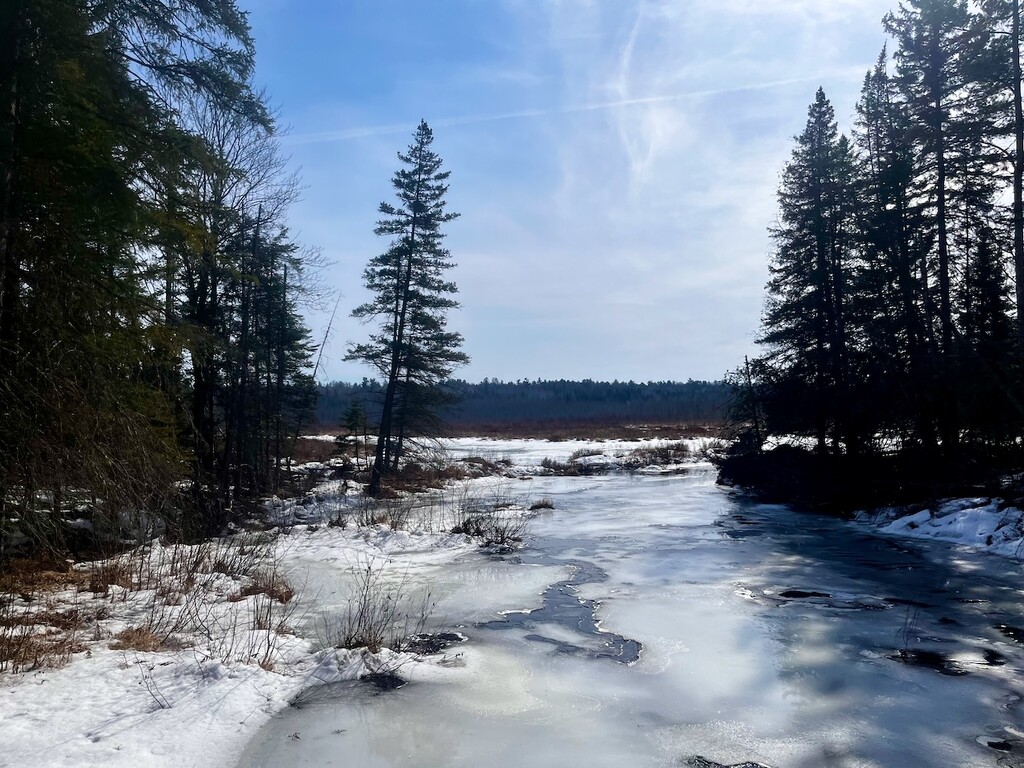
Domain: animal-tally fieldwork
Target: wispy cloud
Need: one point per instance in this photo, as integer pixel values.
(615, 224)
(359, 132)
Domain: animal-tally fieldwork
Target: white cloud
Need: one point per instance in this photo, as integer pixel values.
(614, 218)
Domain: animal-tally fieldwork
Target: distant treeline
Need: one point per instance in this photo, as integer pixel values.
(493, 401)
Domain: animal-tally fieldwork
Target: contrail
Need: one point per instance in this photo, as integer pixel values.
(347, 134)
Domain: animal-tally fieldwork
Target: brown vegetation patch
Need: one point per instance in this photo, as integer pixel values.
(27, 576)
(315, 450)
(668, 453)
(71, 619)
(415, 478)
(35, 639)
(25, 648)
(268, 583)
(138, 639)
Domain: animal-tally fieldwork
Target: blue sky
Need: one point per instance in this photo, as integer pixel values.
(614, 161)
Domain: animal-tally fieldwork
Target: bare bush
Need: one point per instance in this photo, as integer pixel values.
(584, 453)
(657, 455)
(496, 517)
(368, 512)
(137, 639)
(397, 512)
(32, 639)
(230, 593)
(380, 612)
(559, 467)
(505, 528)
(712, 448)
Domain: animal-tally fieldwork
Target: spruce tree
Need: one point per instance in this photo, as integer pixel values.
(893, 296)
(932, 60)
(412, 349)
(806, 320)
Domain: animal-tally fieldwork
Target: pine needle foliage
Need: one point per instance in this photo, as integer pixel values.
(412, 348)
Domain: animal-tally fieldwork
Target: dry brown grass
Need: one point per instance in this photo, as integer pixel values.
(138, 639)
(659, 455)
(266, 582)
(31, 576)
(315, 450)
(26, 648)
(32, 639)
(415, 478)
(179, 589)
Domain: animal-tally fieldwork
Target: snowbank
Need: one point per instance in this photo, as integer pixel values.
(199, 705)
(978, 523)
(200, 701)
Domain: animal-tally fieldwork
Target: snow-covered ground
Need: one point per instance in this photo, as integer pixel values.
(979, 523)
(529, 455)
(199, 704)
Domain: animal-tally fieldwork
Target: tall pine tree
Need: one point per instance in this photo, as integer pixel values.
(806, 320)
(413, 350)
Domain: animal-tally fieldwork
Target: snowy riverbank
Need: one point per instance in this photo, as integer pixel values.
(979, 523)
(235, 656)
(198, 705)
(173, 662)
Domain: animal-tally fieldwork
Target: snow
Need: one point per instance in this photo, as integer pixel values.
(530, 453)
(977, 523)
(131, 708)
(673, 587)
(783, 681)
(118, 708)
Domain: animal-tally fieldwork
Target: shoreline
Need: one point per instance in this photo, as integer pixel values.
(127, 706)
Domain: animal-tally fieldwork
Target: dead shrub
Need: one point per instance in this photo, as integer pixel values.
(496, 518)
(267, 582)
(560, 467)
(115, 571)
(584, 453)
(657, 455)
(544, 503)
(314, 450)
(137, 639)
(481, 462)
(505, 529)
(24, 648)
(31, 639)
(380, 612)
(397, 513)
(30, 575)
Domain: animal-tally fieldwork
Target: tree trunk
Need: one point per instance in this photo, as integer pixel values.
(1018, 175)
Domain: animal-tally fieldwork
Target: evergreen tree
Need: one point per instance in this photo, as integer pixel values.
(412, 350)
(76, 412)
(114, 238)
(1001, 30)
(903, 325)
(940, 60)
(933, 57)
(893, 295)
(806, 319)
(355, 424)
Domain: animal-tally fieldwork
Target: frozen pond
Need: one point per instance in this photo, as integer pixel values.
(663, 621)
